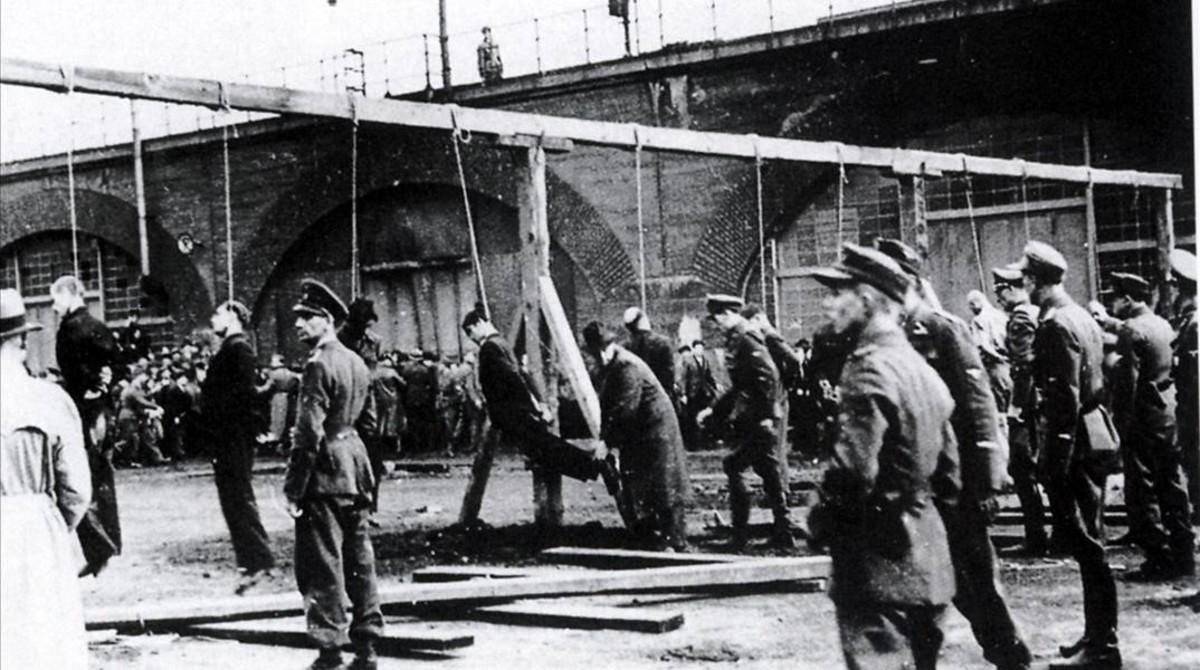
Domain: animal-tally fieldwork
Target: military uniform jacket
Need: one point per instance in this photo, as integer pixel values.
(228, 396)
(894, 457)
(656, 351)
(1143, 390)
(83, 347)
(1068, 354)
(1022, 325)
(328, 457)
(786, 360)
(945, 342)
(755, 393)
(510, 401)
(1186, 368)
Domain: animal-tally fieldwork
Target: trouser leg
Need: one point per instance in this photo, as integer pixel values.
(358, 555)
(1022, 467)
(374, 446)
(1189, 452)
(1140, 503)
(770, 463)
(319, 572)
(235, 490)
(889, 637)
(554, 454)
(1171, 491)
(734, 465)
(980, 596)
(1078, 508)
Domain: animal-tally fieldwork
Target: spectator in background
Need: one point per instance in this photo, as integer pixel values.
(699, 391)
(420, 399)
(491, 68)
(449, 405)
(281, 387)
(654, 349)
(139, 422)
(474, 407)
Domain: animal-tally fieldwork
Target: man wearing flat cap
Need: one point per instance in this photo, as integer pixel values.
(754, 405)
(1068, 355)
(1143, 402)
(1183, 273)
(229, 398)
(329, 485)
(1022, 408)
(638, 420)
(894, 458)
(652, 348)
(945, 341)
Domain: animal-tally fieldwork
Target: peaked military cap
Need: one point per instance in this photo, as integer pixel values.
(719, 302)
(1183, 265)
(1042, 260)
(1131, 285)
(905, 256)
(861, 264)
(1007, 275)
(317, 299)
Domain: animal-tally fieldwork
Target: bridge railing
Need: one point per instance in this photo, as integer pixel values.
(413, 63)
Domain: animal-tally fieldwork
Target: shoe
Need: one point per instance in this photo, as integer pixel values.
(782, 539)
(365, 657)
(1069, 650)
(610, 475)
(328, 659)
(737, 542)
(1107, 657)
(251, 579)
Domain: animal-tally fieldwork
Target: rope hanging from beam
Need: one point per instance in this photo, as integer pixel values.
(457, 135)
(841, 197)
(228, 111)
(68, 76)
(1025, 202)
(762, 234)
(641, 230)
(354, 263)
(974, 229)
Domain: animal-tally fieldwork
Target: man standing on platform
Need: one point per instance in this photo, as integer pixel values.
(894, 461)
(329, 485)
(1022, 409)
(516, 410)
(1068, 355)
(945, 342)
(754, 405)
(86, 351)
(1143, 401)
(652, 348)
(228, 401)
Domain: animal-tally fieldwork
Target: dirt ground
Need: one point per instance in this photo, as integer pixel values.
(177, 546)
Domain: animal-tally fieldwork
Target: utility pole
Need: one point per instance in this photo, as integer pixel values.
(444, 41)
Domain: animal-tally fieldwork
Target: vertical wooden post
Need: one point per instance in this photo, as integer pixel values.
(1164, 233)
(139, 189)
(1092, 251)
(914, 229)
(535, 264)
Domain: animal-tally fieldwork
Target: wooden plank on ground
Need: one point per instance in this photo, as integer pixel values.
(757, 573)
(583, 617)
(290, 632)
(628, 559)
(461, 573)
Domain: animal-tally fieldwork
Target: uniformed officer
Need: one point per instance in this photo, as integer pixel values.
(754, 405)
(894, 460)
(654, 349)
(1068, 354)
(329, 485)
(1022, 447)
(517, 411)
(945, 342)
(228, 399)
(789, 364)
(1183, 273)
(1143, 401)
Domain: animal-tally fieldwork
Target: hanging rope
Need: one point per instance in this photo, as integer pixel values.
(68, 75)
(637, 169)
(974, 228)
(354, 266)
(1025, 201)
(225, 108)
(841, 197)
(762, 234)
(461, 135)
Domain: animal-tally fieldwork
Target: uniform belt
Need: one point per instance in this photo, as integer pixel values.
(1164, 384)
(343, 434)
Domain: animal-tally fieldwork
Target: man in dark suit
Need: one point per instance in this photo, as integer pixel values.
(86, 351)
(699, 390)
(1068, 356)
(1143, 401)
(516, 410)
(894, 462)
(639, 421)
(329, 484)
(229, 400)
(753, 404)
(652, 348)
(945, 342)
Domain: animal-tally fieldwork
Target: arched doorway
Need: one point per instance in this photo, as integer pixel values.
(415, 261)
(110, 276)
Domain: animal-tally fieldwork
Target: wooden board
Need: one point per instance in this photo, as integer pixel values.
(401, 597)
(454, 573)
(582, 617)
(628, 559)
(273, 99)
(397, 640)
(570, 358)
